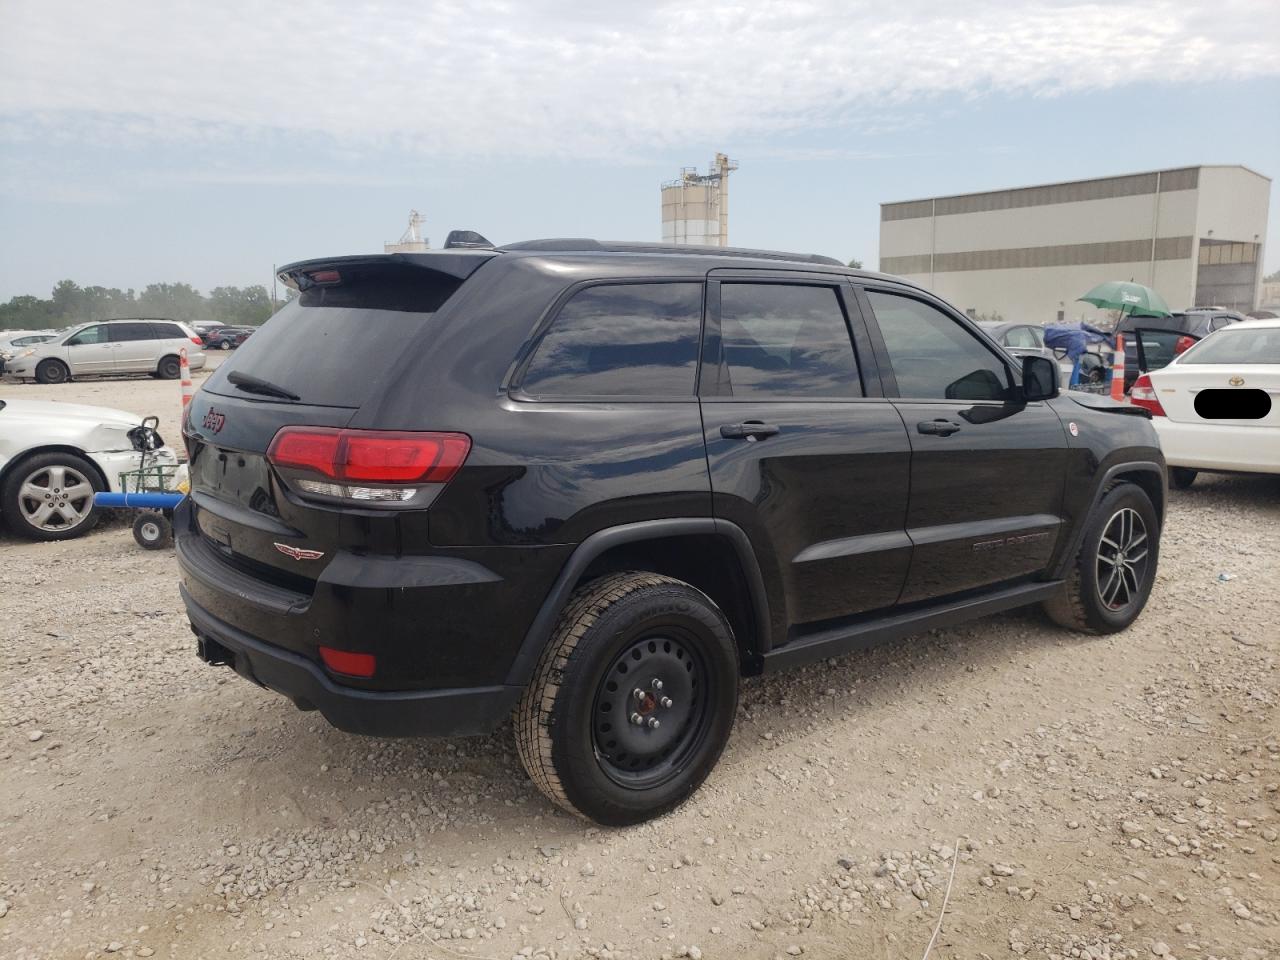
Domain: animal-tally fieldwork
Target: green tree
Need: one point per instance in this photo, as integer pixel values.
(855, 264)
(1272, 277)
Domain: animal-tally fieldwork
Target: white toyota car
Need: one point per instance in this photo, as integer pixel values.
(1216, 407)
(54, 456)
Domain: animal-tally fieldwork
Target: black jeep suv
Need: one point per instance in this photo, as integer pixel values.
(595, 484)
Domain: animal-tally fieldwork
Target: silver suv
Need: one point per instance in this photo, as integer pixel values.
(111, 347)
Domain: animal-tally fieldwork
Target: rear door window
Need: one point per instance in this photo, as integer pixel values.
(132, 330)
(620, 340)
(785, 341)
(1020, 337)
(167, 331)
(932, 355)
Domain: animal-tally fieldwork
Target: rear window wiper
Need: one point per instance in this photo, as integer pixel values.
(254, 385)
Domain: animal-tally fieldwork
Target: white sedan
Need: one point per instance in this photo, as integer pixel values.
(1216, 407)
(54, 456)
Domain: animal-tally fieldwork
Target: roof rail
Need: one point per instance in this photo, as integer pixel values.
(587, 245)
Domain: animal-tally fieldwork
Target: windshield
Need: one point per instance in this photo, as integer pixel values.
(1238, 344)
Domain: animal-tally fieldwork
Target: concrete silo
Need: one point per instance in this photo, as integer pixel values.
(695, 208)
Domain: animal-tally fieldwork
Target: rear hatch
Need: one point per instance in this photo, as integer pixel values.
(1231, 377)
(311, 366)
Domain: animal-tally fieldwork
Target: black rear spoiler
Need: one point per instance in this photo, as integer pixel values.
(459, 264)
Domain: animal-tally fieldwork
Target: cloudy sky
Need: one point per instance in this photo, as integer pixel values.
(204, 142)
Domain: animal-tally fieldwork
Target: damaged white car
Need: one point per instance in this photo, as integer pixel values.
(53, 458)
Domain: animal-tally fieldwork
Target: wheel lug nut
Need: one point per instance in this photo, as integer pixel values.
(666, 701)
(653, 723)
(637, 719)
(655, 683)
(638, 693)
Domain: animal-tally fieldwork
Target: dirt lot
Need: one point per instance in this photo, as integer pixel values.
(1077, 797)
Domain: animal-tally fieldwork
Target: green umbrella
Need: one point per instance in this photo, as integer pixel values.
(1127, 297)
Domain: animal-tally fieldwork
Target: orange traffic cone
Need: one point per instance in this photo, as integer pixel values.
(1117, 369)
(187, 391)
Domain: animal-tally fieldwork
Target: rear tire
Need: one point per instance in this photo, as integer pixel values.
(225, 345)
(169, 368)
(1111, 577)
(575, 728)
(52, 371)
(1181, 478)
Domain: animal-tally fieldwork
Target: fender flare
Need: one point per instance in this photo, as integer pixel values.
(539, 632)
(1134, 466)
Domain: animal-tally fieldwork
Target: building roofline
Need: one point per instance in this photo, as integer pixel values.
(1063, 183)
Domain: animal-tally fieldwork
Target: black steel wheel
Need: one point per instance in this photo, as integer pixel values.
(650, 710)
(169, 368)
(632, 701)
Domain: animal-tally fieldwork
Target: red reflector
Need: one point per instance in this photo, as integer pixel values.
(324, 276)
(1144, 395)
(375, 456)
(347, 663)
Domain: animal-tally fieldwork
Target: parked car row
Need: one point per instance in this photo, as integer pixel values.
(109, 347)
(13, 341)
(218, 336)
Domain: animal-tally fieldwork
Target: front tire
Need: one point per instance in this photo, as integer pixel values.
(225, 345)
(50, 497)
(52, 371)
(629, 645)
(1181, 478)
(1110, 579)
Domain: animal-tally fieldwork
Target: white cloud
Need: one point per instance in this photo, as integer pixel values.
(553, 78)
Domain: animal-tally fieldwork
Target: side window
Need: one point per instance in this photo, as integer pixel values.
(94, 334)
(129, 331)
(785, 340)
(932, 355)
(1219, 322)
(617, 340)
(1020, 337)
(167, 331)
(1037, 334)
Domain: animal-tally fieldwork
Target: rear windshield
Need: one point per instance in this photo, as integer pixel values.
(1237, 345)
(332, 345)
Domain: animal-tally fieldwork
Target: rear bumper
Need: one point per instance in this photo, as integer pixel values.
(1212, 446)
(456, 712)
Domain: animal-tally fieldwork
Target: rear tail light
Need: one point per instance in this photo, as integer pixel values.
(197, 341)
(1183, 344)
(373, 467)
(1143, 395)
(349, 664)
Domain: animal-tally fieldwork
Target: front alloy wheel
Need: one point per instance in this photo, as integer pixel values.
(1122, 559)
(50, 497)
(1108, 583)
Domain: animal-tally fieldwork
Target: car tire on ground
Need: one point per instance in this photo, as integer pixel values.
(52, 371)
(225, 345)
(1110, 578)
(169, 368)
(1181, 478)
(632, 701)
(49, 496)
(152, 531)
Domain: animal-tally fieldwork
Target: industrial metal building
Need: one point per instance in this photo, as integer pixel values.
(1194, 234)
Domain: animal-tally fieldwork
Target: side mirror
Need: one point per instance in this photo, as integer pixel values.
(1039, 379)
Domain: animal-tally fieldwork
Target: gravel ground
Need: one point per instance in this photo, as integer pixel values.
(1077, 797)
